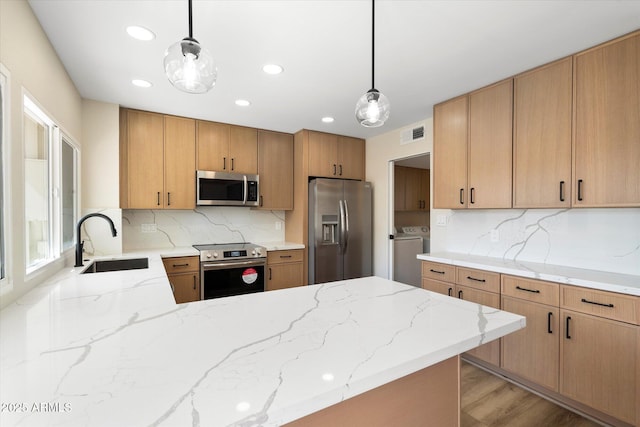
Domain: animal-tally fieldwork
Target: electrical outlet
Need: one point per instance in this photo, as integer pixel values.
(278, 225)
(149, 228)
(441, 220)
(495, 236)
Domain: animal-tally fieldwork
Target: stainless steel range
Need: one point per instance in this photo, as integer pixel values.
(231, 269)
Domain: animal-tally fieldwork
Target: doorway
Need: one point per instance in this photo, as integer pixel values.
(409, 216)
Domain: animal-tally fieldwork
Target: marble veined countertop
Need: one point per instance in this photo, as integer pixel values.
(602, 280)
(113, 349)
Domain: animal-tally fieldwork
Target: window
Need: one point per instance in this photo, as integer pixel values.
(4, 144)
(50, 169)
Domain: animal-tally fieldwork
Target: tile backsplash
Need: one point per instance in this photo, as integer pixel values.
(597, 239)
(179, 228)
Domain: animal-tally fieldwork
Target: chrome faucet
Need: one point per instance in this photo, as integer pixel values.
(80, 244)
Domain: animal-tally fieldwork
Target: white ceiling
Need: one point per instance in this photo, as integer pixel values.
(426, 52)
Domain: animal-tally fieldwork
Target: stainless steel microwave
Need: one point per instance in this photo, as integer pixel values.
(226, 189)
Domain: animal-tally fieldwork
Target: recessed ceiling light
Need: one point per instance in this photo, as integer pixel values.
(140, 33)
(141, 83)
(327, 119)
(272, 69)
(242, 103)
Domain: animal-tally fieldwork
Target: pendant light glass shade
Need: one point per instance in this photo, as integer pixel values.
(372, 109)
(190, 67)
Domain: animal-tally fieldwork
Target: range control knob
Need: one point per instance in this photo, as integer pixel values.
(258, 253)
(253, 252)
(208, 255)
(215, 254)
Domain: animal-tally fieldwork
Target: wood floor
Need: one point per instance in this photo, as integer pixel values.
(490, 401)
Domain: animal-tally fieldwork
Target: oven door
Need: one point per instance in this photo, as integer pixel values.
(227, 278)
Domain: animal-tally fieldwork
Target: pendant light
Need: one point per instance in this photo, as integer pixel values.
(373, 108)
(189, 66)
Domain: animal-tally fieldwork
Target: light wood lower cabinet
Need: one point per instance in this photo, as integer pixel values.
(184, 275)
(581, 346)
(284, 269)
(533, 353)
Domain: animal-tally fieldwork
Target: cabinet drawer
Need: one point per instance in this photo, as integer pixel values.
(478, 279)
(624, 308)
(434, 270)
(181, 264)
(279, 257)
(531, 290)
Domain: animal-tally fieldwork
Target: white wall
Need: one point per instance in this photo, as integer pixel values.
(380, 150)
(34, 67)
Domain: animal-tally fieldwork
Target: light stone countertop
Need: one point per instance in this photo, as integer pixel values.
(601, 280)
(113, 349)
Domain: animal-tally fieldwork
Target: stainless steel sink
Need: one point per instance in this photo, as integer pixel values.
(102, 266)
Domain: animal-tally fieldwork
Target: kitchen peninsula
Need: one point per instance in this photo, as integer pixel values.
(114, 349)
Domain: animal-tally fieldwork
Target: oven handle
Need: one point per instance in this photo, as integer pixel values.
(233, 264)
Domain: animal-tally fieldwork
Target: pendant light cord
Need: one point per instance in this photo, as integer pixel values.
(190, 22)
(373, 35)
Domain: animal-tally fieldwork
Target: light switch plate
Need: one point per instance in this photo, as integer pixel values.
(441, 220)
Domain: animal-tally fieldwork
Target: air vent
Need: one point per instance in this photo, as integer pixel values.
(412, 135)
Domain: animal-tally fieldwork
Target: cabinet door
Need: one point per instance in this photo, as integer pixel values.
(489, 352)
(243, 150)
(399, 183)
(438, 286)
(179, 163)
(607, 125)
(599, 364)
(351, 158)
(145, 157)
(213, 146)
(275, 167)
(533, 352)
(490, 146)
(186, 287)
(542, 137)
(323, 154)
(281, 276)
(412, 190)
(425, 189)
(450, 154)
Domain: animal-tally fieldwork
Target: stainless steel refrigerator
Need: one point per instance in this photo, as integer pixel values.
(340, 230)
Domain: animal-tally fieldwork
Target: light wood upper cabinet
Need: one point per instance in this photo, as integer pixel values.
(227, 148)
(275, 167)
(350, 158)
(399, 182)
(607, 125)
(157, 161)
(334, 156)
(472, 149)
(490, 146)
(179, 163)
(411, 189)
(450, 153)
(542, 137)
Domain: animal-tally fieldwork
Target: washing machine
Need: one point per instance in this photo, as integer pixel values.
(422, 231)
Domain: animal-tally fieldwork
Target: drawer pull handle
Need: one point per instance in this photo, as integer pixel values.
(596, 303)
(476, 280)
(549, 322)
(194, 282)
(535, 291)
(449, 291)
(436, 271)
(567, 328)
(285, 256)
(181, 265)
(269, 273)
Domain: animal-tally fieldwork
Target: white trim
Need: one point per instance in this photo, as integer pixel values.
(391, 206)
(6, 284)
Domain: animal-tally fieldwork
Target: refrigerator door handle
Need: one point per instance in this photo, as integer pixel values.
(346, 227)
(342, 227)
